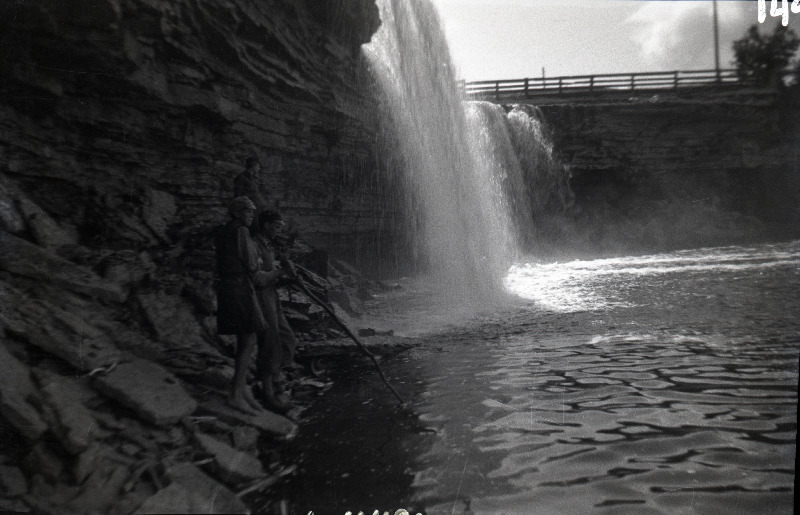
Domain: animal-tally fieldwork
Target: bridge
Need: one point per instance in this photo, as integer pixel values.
(570, 86)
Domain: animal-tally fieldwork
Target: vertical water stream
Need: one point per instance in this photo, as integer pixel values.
(466, 186)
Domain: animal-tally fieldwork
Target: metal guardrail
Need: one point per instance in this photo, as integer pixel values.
(610, 82)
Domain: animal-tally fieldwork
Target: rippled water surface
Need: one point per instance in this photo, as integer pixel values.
(653, 384)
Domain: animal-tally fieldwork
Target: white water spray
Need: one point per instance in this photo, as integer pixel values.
(463, 178)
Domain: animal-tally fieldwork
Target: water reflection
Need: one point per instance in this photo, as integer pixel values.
(680, 395)
(578, 285)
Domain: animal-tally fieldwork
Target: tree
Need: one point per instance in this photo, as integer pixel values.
(761, 57)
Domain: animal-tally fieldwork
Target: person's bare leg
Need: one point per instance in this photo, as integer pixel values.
(238, 395)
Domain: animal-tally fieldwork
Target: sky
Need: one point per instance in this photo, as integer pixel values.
(512, 39)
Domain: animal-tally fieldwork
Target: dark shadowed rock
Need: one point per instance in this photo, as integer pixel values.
(159, 211)
(245, 438)
(172, 320)
(16, 387)
(205, 495)
(153, 393)
(12, 481)
(127, 267)
(69, 419)
(43, 460)
(10, 217)
(46, 231)
(62, 333)
(232, 465)
(267, 421)
(21, 257)
(101, 490)
(175, 498)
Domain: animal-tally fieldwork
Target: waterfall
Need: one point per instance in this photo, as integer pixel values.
(464, 186)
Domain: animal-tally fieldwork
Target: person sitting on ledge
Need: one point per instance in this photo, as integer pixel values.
(238, 309)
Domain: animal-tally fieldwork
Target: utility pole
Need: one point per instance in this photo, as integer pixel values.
(716, 42)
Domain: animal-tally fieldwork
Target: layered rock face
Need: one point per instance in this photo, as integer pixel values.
(149, 109)
(122, 126)
(660, 171)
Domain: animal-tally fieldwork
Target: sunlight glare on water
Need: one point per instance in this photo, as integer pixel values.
(577, 285)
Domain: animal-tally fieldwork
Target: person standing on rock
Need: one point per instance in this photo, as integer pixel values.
(277, 343)
(248, 184)
(238, 310)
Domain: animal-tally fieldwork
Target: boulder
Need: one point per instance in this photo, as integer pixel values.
(232, 465)
(69, 419)
(172, 320)
(101, 490)
(174, 499)
(126, 267)
(153, 393)
(20, 257)
(192, 491)
(62, 333)
(90, 460)
(266, 421)
(16, 387)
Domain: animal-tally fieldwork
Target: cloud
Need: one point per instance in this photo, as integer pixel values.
(680, 35)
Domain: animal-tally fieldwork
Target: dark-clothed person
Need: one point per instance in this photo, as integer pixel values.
(238, 309)
(248, 184)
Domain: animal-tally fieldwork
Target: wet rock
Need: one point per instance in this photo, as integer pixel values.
(12, 481)
(266, 421)
(344, 299)
(232, 465)
(71, 422)
(16, 387)
(46, 232)
(171, 319)
(23, 258)
(152, 392)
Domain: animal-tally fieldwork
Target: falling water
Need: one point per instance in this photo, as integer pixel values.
(465, 165)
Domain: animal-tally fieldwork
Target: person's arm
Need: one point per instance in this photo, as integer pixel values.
(247, 254)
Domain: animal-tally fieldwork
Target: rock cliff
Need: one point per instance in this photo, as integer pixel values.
(122, 126)
(658, 171)
(151, 108)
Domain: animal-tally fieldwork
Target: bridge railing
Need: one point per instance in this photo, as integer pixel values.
(650, 81)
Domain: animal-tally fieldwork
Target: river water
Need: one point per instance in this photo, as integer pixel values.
(643, 384)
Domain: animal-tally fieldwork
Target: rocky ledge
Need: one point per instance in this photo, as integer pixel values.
(113, 394)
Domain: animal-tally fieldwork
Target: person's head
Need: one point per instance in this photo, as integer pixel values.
(269, 223)
(242, 208)
(252, 164)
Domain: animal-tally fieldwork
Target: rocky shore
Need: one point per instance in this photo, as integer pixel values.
(124, 123)
(113, 393)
